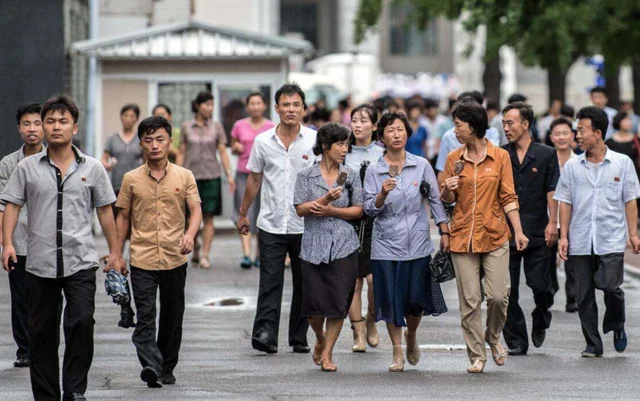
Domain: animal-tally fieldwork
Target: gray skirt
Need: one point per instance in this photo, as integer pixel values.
(254, 209)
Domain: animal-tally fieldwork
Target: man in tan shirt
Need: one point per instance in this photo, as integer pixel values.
(152, 201)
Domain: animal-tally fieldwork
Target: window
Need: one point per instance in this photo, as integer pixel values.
(300, 18)
(405, 39)
(178, 96)
(231, 103)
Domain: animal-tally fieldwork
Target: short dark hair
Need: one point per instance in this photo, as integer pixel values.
(599, 89)
(525, 110)
(27, 108)
(472, 113)
(430, 103)
(161, 106)
(567, 111)
(60, 103)
(517, 97)
(290, 90)
(412, 104)
(201, 97)
(561, 121)
(151, 124)
(618, 119)
(329, 134)
(252, 94)
(389, 118)
(370, 111)
(131, 106)
(321, 114)
(598, 117)
(475, 95)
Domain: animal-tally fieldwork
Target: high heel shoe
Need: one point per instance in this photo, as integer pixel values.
(413, 350)
(398, 364)
(359, 344)
(327, 366)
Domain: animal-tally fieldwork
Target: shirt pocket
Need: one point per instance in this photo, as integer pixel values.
(614, 191)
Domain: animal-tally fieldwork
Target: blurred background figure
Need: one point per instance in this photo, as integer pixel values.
(122, 151)
(202, 141)
(417, 142)
(433, 120)
(243, 134)
(600, 99)
(627, 106)
(162, 110)
(624, 140)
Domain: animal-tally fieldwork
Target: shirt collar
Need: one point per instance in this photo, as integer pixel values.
(315, 170)
(410, 160)
(80, 158)
(489, 151)
(582, 157)
(148, 170)
(195, 124)
(531, 154)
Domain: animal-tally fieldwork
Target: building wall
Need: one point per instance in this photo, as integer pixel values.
(241, 14)
(170, 11)
(115, 94)
(34, 69)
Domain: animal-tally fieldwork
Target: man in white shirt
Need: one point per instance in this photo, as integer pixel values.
(600, 99)
(277, 156)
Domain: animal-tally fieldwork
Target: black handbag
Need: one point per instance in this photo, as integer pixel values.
(442, 267)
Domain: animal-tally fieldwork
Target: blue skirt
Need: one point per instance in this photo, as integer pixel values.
(405, 288)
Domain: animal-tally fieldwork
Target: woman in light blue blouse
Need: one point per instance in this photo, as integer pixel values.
(327, 195)
(395, 191)
(363, 152)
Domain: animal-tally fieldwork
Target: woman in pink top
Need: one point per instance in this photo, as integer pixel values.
(243, 134)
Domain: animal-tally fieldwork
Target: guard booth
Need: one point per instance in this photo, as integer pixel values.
(170, 64)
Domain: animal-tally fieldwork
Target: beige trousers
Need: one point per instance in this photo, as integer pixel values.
(497, 285)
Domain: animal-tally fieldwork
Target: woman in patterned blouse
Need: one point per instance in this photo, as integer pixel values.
(327, 195)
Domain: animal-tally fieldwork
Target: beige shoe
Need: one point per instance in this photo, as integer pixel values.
(398, 364)
(372, 331)
(359, 344)
(413, 350)
(477, 367)
(204, 263)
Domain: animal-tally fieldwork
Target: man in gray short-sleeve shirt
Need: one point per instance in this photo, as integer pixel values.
(61, 187)
(597, 192)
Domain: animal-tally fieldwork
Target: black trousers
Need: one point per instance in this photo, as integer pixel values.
(570, 280)
(606, 273)
(19, 311)
(273, 251)
(160, 353)
(536, 271)
(45, 296)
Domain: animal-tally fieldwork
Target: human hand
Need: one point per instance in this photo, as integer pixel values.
(9, 254)
(635, 244)
(117, 263)
(452, 183)
(563, 248)
(521, 241)
(186, 243)
(243, 225)
(551, 234)
(237, 148)
(387, 186)
(320, 210)
(232, 184)
(334, 193)
(445, 244)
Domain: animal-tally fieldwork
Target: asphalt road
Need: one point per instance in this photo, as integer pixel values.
(218, 363)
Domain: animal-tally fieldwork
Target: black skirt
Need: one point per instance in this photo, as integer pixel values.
(327, 289)
(365, 234)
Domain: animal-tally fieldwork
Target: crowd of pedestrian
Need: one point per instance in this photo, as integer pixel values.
(343, 198)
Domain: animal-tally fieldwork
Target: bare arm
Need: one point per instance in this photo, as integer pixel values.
(251, 191)
(195, 218)
(105, 160)
(108, 224)
(631, 211)
(565, 218)
(123, 222)
(10, 220)
(180, 154)
(514, 218)
(553, 208)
